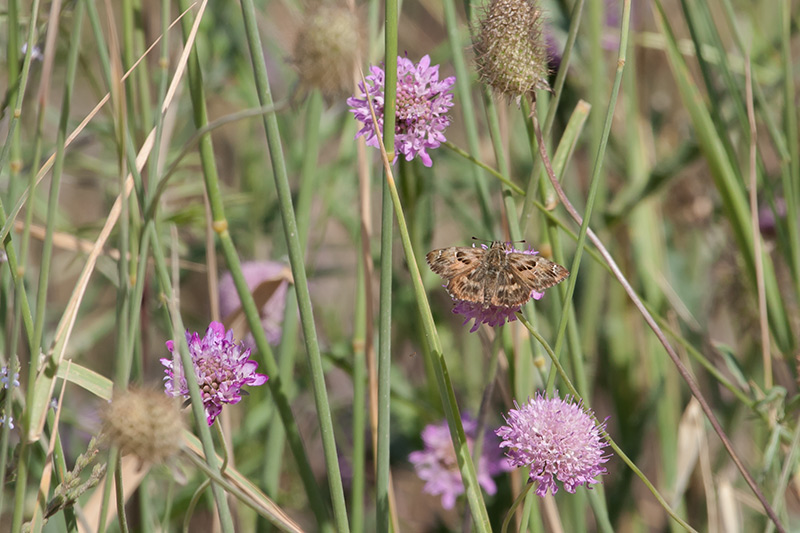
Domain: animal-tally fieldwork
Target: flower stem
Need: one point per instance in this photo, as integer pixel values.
(574, 392)
(298, 267)
(445, 386)
(513, 509)
(391, 10)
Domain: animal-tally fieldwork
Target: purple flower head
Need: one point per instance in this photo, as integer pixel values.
(492, 315)
(437, 466)
(557, 439)
(255, 273)
(221, 366)
(422, 104)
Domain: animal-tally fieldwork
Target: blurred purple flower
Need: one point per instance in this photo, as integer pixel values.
(557, 439)
(8, 379)
(7, 419)
(221, 366)
(493, 315)
(766, 217)
(255, 273)
(437, 466)
(422, 104)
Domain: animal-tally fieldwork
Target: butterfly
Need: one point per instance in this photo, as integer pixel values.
(497, 276)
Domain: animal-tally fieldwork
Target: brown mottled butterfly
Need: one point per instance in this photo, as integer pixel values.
(497, 275)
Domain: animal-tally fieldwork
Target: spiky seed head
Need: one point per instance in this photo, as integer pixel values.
(325, 49)
(510, 50)
(144, 422)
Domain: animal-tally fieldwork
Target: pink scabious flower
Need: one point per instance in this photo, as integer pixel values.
(437, 466)
(556, 439)
(422, 104)
(493, 315)
(221, 366)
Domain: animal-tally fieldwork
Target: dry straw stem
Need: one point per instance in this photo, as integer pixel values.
(12, 215)
(45, 382)
(682, 370)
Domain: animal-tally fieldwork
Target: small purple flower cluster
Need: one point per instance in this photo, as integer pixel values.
(222, 368)
(437, 466)
(556, 439)
(422, 104)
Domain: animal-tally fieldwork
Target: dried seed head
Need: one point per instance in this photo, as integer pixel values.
(325, 49)
(144, 422)
(510, 50)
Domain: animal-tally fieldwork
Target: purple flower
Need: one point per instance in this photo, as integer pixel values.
(7, 378)
(766, 217)
(492, 315)
(557, 440)
(221, 366)
(255, 273)
(422, 104)
(437, 466)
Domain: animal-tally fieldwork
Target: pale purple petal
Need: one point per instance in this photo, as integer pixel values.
(221, 366)
(437, 466)
(557, 440)
(421, 109)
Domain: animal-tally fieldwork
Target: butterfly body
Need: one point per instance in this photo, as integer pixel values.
(495, 276)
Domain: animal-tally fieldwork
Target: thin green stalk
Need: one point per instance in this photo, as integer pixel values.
(359, 398)
(779, 499)
(384, 359)
(445, 387)
(574, 392)
(594, 185)
(263, 506)
(575, 21)
(113, 460)
(288, 347)
(522, 355)
(298, 267)
(120, 496)
(464, 90)
(790, 179)
(195, 395)
(277, 387)
(510, 514)
(34, 333)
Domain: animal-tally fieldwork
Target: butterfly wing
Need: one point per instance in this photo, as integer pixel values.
(459, 267)
(453, 261)
(536, 272)
(507, 290)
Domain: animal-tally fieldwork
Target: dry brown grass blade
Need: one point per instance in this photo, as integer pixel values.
(77, 131)
(67, 322)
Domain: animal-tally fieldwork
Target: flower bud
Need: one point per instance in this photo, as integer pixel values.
(144, 422)
(326, 49)
(510, 50)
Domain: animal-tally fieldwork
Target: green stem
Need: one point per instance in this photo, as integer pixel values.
(288, 345)
(123, 521)
(195, 395)
(574, 392)
(384, 358)
(298, 267)
(513, 509)
(594, 187)
(445, 386)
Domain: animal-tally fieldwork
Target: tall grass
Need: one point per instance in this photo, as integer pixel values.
(143, 144)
